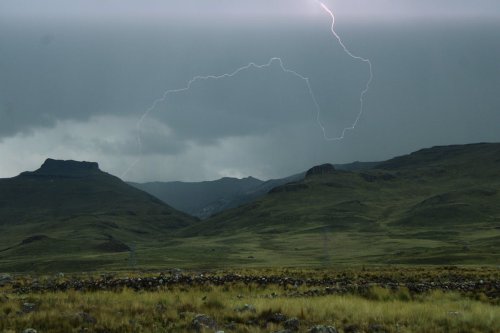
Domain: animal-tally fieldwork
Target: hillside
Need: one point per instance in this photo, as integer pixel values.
(76, 214)
(434, 206)
(204, 199)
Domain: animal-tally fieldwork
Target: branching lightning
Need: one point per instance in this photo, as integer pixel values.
(255, 66)
(195, 79)
(368, 83)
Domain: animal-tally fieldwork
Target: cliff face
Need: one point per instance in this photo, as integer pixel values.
(59, 168)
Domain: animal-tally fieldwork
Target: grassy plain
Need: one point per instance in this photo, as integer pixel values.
(257, 307)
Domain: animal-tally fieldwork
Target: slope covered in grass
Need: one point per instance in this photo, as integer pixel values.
(435, 206)
(72, 212)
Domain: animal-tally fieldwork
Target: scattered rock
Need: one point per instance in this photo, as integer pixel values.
(322, 329)
(28, 307)
(30, 330)
(5, 279)
(322, 286)
(277, 317)
(201, 321)
(292, 324)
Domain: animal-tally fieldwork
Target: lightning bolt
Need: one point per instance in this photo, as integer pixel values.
(195, 79)
(368, 82)
(255, 66)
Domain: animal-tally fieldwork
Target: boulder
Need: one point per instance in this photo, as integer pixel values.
(322, 329)
(5, 279)
(292, 324)
(28, 307)
(277, 317)
(201, 321)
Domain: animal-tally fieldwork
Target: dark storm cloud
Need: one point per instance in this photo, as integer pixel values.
(254, 103)
(86, 71)
(56, 71)
(77, 88)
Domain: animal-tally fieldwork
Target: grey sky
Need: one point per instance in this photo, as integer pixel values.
(229, 9)
(76, 76)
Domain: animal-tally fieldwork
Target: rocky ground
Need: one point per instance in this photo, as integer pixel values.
(466, 282)
(371, 300)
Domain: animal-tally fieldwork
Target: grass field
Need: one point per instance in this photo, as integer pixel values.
(239, 301)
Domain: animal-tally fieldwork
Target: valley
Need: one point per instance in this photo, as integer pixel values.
(436, 206)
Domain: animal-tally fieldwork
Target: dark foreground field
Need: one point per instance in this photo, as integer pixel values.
(390, 299)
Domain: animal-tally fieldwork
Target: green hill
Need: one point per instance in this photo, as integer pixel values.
(204, 199)
(71, 213)
(435, 206)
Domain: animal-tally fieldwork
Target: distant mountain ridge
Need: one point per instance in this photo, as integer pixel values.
(438, 205)
(207, 198)
(200, 199)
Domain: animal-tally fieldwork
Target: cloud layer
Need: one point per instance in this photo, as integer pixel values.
(77, 90)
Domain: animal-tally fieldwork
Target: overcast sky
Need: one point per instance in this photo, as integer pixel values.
(236, 9)
(77, 77)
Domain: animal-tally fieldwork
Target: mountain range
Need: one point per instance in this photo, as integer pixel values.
(435, 206)
(204, 199)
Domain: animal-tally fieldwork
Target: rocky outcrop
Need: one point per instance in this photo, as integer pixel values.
(323, 169)
(60, 168)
